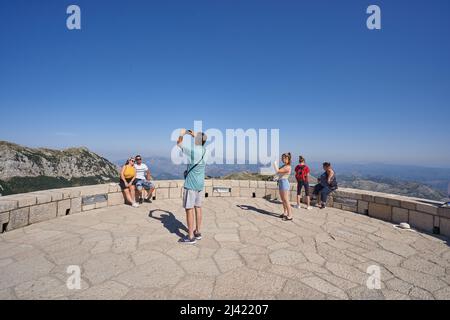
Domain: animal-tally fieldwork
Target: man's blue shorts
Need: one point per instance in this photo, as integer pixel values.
(143, 184)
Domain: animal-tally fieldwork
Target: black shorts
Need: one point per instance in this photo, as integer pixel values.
(122, 184)
(301, 184)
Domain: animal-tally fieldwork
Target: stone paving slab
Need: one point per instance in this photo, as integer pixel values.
(247, 253)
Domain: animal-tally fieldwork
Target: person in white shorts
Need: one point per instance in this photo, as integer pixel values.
(194, 183)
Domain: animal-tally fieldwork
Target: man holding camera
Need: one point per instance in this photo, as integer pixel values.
(194, 178)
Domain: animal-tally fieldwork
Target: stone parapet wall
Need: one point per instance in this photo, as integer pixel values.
(20, 210)
(424, 215)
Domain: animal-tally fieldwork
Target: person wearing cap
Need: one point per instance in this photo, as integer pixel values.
(142, 181)
(194, 178)
(127, 178)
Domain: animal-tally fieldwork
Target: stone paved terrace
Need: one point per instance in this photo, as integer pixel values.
(247, 252)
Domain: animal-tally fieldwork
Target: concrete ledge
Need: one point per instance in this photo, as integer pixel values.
(363, 207)
(162, 193)
(162, 184)
(421, 221)
(42, 197)
(380, 211)
(43, 212)
(4, 218)
(444, 226)
(176, 192)
(23, 200)
(18, 218)
(95, 190)
(63, 208)
(444, 212)
(17, 211)
(244, 184)
(115, 199)
(8, 204)
(400, 215)
(75, 205)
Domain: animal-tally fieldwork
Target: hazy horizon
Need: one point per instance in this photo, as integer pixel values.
(117, 157)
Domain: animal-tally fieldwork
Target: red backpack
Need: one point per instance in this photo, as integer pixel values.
(301, 172)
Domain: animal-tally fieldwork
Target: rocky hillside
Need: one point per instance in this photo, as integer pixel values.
(25, 169)
(247, 176)
(394, 186)
(379, 184)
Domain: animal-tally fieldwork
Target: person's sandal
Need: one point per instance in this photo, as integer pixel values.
(187, 240)
(197, 235)
(286, 218)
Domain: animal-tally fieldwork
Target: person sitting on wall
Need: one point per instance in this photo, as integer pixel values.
(327, 183)
(142, 181)
(127, 177)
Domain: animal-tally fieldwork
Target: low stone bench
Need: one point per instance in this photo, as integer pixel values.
(20, 210)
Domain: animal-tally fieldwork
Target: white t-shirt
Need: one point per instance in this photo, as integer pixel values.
(141, 171)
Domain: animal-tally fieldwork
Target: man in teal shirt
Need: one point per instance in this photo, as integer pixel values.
(193, 183)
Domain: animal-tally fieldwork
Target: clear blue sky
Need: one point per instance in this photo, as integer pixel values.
(139, 69)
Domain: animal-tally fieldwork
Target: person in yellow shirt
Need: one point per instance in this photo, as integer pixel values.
(127, 177)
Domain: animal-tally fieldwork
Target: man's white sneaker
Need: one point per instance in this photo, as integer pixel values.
(308, 208)
(135, 205)
(296, 206)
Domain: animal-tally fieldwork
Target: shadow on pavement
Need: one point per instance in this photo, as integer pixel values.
(258, 210)
(170, 222)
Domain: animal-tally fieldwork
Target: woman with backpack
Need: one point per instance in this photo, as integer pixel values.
(327, 184)
(301, 174)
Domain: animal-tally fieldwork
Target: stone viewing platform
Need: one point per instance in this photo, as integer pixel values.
(247, 251)
(20, 210)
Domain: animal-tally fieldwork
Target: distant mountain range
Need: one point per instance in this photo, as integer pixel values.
(413, 181)
(438, 178)
(394, 186)
(162, 168)
(25, 169)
